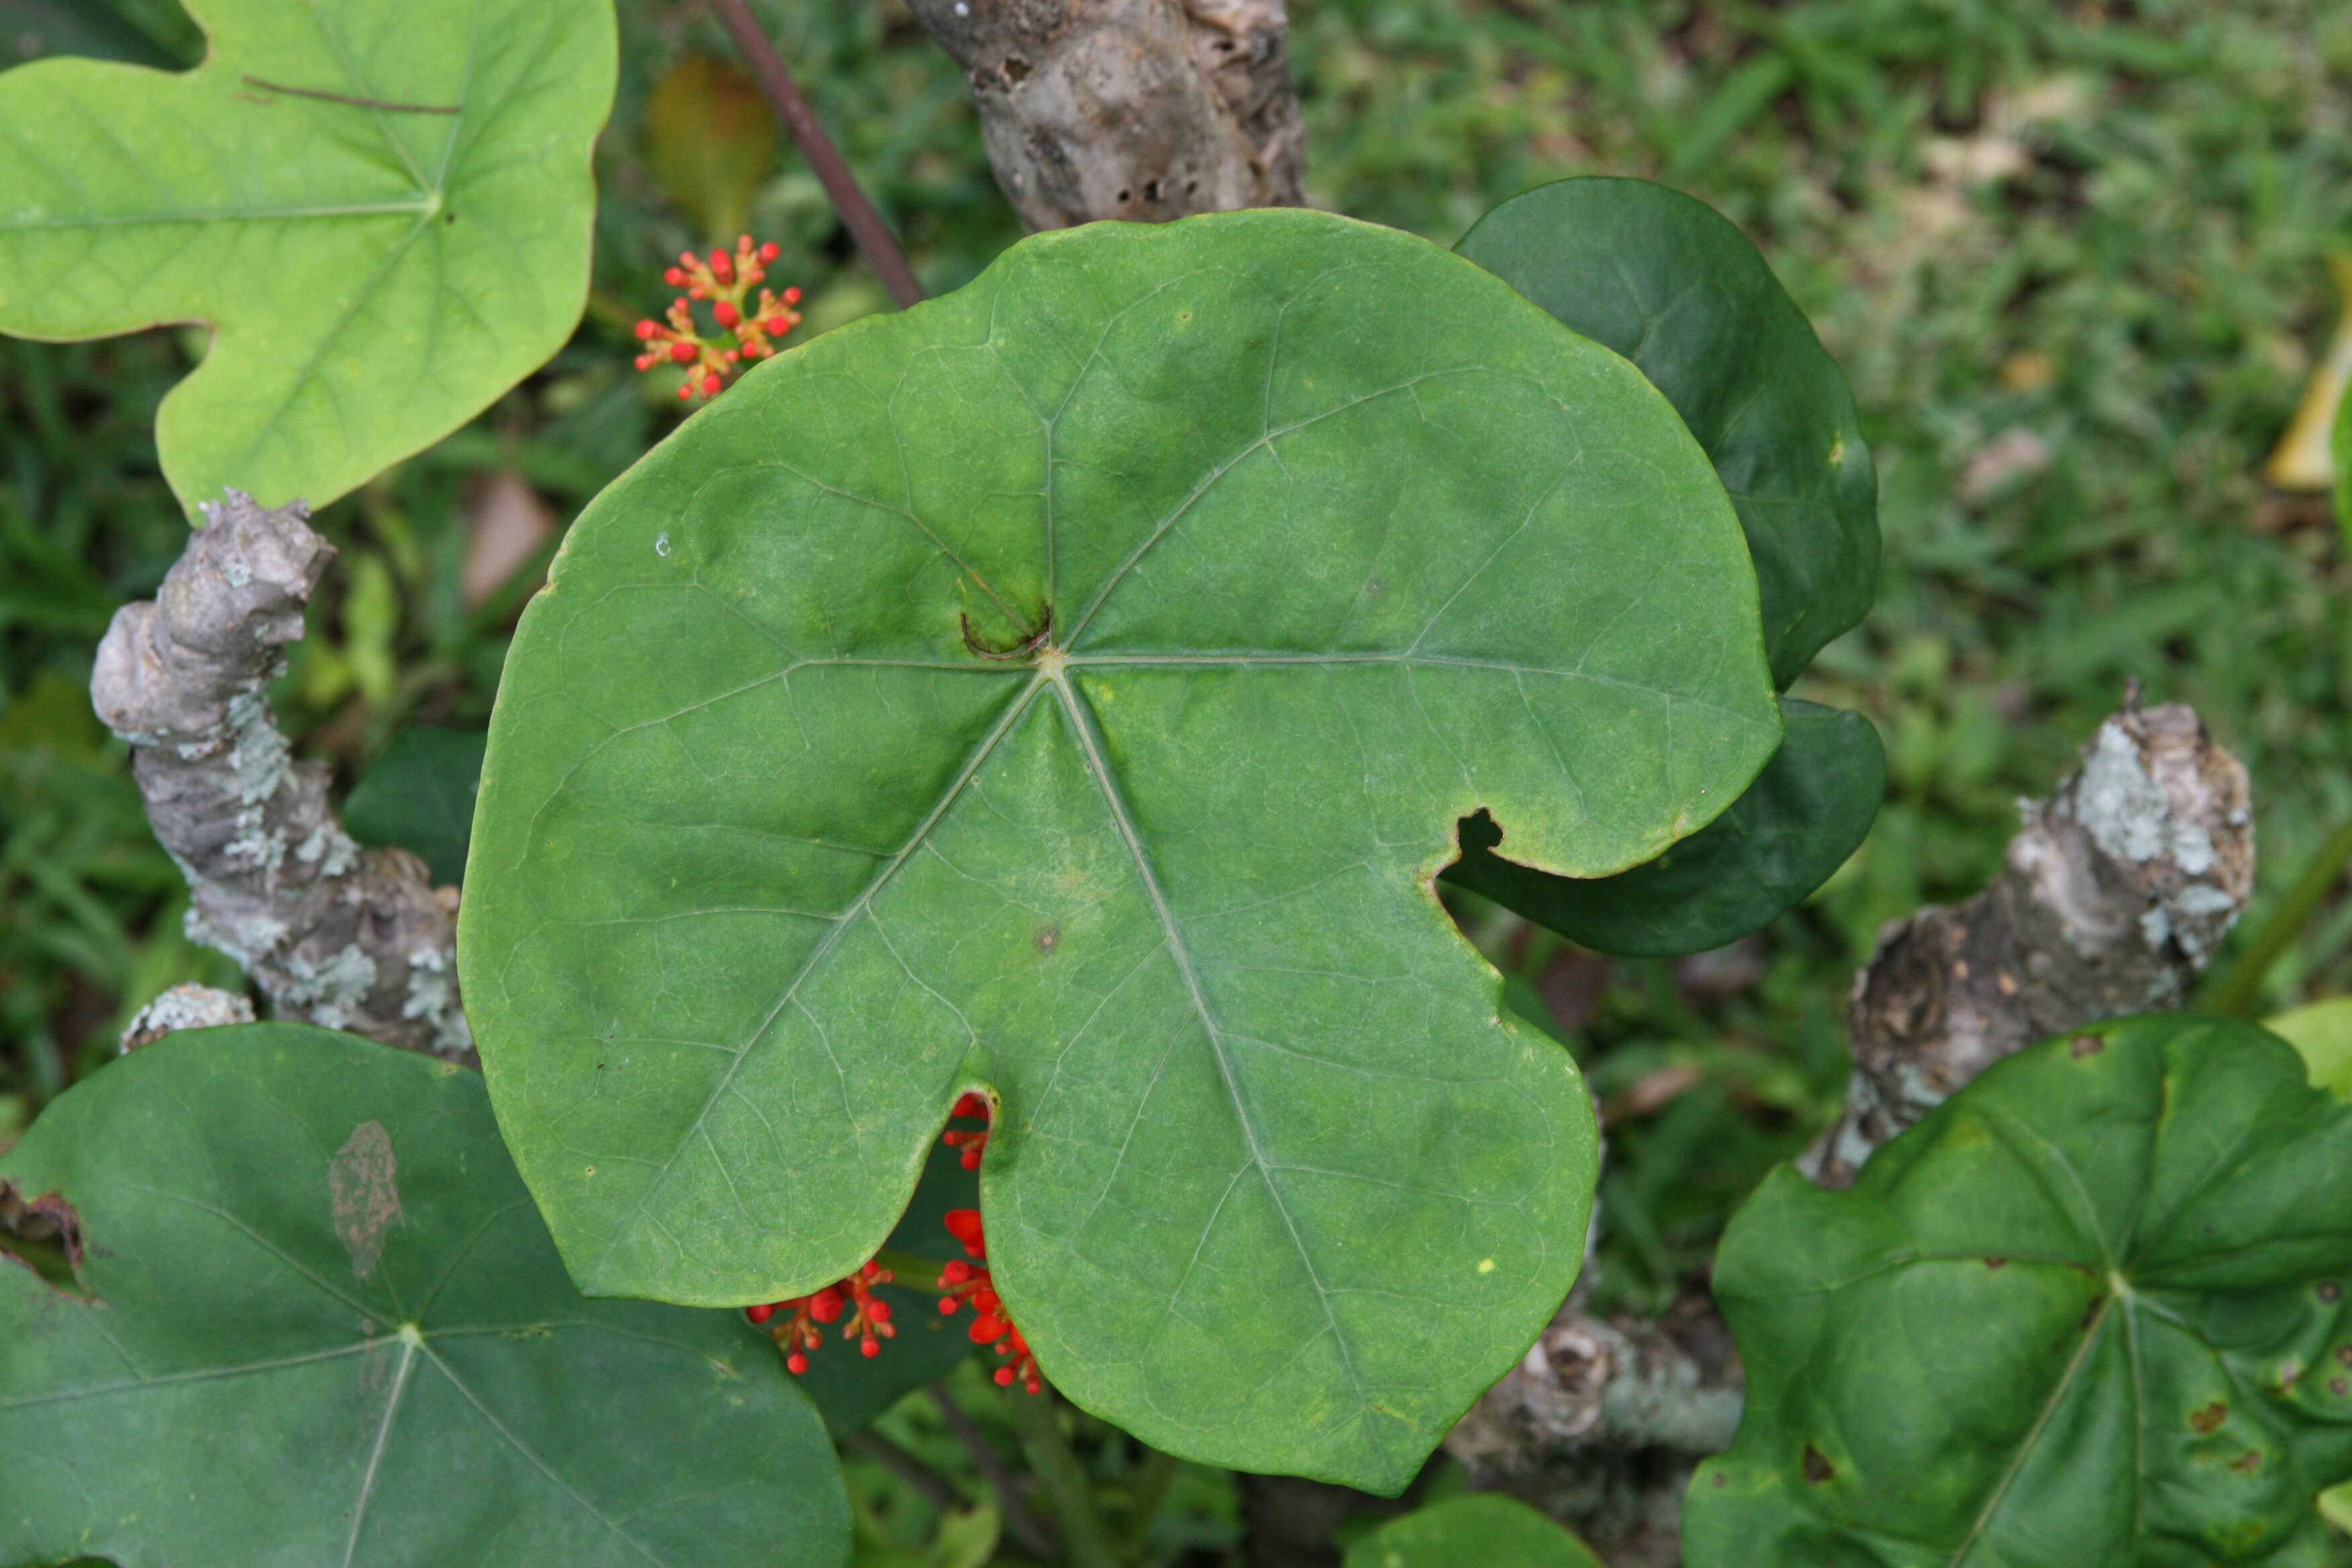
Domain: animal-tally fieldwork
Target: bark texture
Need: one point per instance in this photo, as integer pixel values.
(185, 1007)
(345, 937)
(2110, 900)
(1144, 109)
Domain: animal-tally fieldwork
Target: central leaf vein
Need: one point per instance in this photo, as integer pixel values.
(790, 993)
(1081, 725)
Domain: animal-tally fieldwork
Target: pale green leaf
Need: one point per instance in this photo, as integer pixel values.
(373, 273)
(1295, 541)
(2322, 1033)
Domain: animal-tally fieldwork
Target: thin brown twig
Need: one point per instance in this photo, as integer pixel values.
(783, 95)
(1021, 1521)
(251, 80)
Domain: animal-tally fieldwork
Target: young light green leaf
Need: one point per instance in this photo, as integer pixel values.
(381, 207)
(1807, 811)
(1482, 1527)
(1072, 687)
(2321, 1032)
(2091, 1311)
(318, 1320)
(1668, 282)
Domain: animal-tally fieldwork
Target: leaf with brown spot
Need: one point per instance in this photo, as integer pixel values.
(2032, 1416)
(366, 1194)
(380, 1369)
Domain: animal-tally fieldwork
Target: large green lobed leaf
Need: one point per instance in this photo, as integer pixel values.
(1674, 286)
(373, 276)
(2090, 1312)
(1795, 825)
(1666, 281)
(1325, 539)
(319, 1322)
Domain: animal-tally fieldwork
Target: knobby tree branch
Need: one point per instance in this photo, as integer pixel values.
(1145, 109)
(2110, 900)
(346, 937)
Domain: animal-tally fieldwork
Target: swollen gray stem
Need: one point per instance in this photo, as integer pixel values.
(1144, 109)
(345, 937)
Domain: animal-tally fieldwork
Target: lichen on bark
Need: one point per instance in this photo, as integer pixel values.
(334, 933)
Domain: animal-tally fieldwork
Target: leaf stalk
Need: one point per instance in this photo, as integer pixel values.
(824, 160)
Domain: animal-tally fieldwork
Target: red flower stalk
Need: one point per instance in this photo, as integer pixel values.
(746, 331)
(961, 1284)
(973, 1144)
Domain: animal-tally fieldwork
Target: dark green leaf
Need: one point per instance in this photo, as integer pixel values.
(1267, 582)
(2089, 1311)
(1480, 1530)
(1806, 812)
(1665, 280)
(34, 29)
(374, 269)
(852, 1390)
(419, 795)
(325, 1325)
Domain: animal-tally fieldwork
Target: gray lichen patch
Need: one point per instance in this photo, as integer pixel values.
(341, 936)
(185, 1007)
(2112, 895)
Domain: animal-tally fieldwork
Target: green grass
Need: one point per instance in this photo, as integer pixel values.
(2070, 255)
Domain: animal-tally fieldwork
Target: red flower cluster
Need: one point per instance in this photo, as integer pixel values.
(745, 331)
(971, 1143)
(870, 1316)
(964, 1284)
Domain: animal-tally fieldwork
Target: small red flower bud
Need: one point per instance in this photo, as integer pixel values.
(969, 1105)
(727, 313)
(721, 265)
(879, 1309)
(710, 384)
(776, 326)
(954, 1273)
(946, 1306)
(674, 277)
(771, 250)
(759, 1314)
(826, 1305)
(793, 296)
(684, 392)
(796, 1363)
(869, 1347)
(684, 353)
(646, 329)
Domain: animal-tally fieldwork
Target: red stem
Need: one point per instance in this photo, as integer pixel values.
(865, 226)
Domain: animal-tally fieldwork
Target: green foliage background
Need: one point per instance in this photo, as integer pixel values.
(2070, 255)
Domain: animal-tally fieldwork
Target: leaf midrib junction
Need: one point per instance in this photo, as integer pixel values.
(1057, 678)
